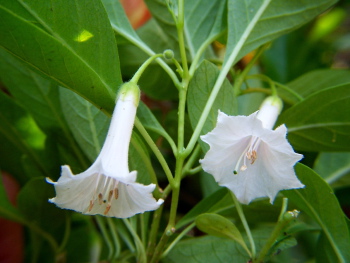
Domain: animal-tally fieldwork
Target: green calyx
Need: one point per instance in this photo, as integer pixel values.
(129, 90)
(274, 101)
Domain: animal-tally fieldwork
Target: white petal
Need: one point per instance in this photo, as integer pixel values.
(76, 192)
(270, 172)
(134, 199)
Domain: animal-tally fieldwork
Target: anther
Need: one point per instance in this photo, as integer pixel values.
(243, 167)
(107, 209)
(100, 198)
(110, 196)
(91, 205)
(116, 193)
(254, 156)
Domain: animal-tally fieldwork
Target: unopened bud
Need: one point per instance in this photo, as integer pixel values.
(168, 54)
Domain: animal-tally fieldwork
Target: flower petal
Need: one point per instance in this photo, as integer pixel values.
(81, 193)
(268, 172)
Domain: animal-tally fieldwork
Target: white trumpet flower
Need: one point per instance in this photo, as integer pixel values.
(250, 158)
(108, 187)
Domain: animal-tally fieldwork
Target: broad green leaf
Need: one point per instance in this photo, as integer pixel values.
(161, 14)
(198, 93)
(219, 226)
(253, 23)
(249, 103)
(221, 202)
(35, 93)
(119, 20)
(84, 243)
(207, 249)
(315, 81)
(34, 205)
(324, 252)
(40, 97)
(19, 129)
(208, 184)
(70, 42)
(215, 249)
(319, 202)
(334, 168)
(321, 122)
(88, 124)
(220, 198)
(204, 20)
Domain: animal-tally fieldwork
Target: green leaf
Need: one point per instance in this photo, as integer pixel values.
(34, 205)
(219, 226)
(119, 21)
(215, 249)
(198, 93)
(253, 23)
(70, 42)
(315, 81)
(35, 93)
(40, 97)
(207, 249)
(333, 167)
(88, 124)
(319, 202)
(216, 202)
(321, 122)
(20, 130)
(204, 20)
(161, 14)
(84, 243)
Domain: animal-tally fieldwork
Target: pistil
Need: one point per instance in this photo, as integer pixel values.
(250, 153)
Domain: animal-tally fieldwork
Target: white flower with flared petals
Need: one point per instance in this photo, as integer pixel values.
(108, 187)
(250, 158)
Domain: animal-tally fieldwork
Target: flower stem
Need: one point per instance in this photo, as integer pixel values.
(154, 232)
(67, 232)
(115, 238)
(300, 98)
(102, 227)
(155, 150)
(180, 32)
(139, 246)
(283, 221)
(252, 90)
(283, 208)
(137, 42)
(143, 67)
(245, 224)
(187, 169)
(273, 85)
(239, 80)
(177, 239)
(200, 52)
(148, 166)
